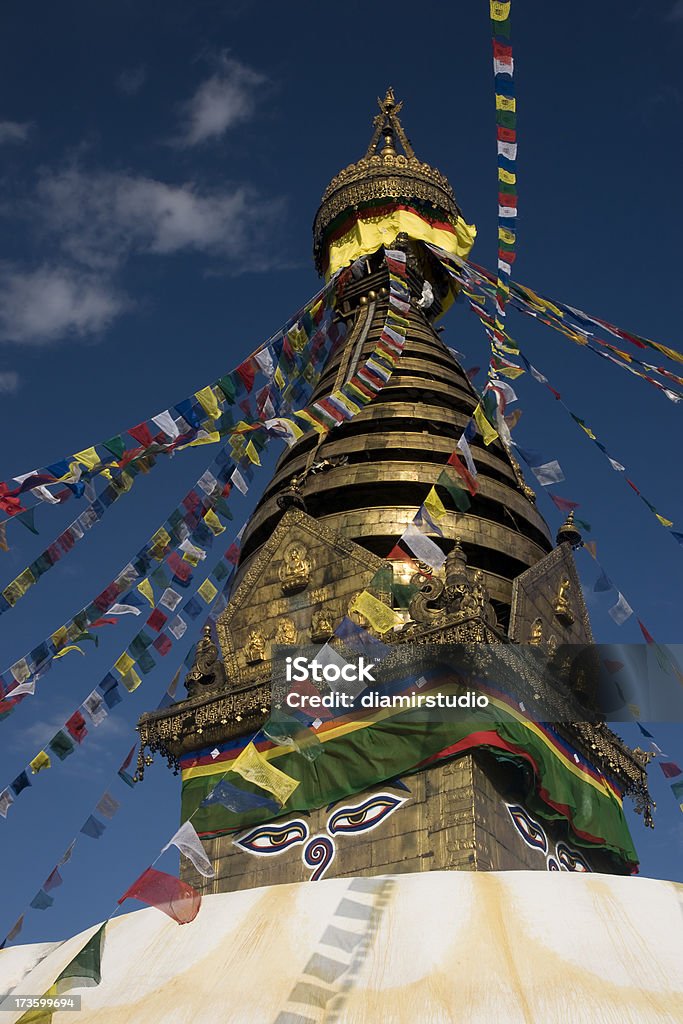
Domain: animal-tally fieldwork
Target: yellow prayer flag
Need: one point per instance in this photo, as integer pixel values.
(158, 544)
(59, 637)
(18, 587)
(252, 454)
(670, 352)
(663, 521)
(205, 437)
(279, 379)
(591, 547)
(131, 680)
(434, 505)
(344, 400)
(88, 457)
(254, 767)
(498, 10)
(4, 546)
(214, 523)
(145, 588)
(207, 400)
(39, 762)
(303, 415)
(207, 591)
(509, 177)
(65, 650)
(506, 236)
(488, 433)
(588, 431)
(510, 371)
(380, 616)
(505, 103)
(124, 664)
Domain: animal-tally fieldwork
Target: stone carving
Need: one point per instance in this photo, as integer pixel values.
(295, 571)
(562, 607)
(286, 633)
(462, 595)
(536, 633)
(321, 626)
(208, 671)
(256, 647)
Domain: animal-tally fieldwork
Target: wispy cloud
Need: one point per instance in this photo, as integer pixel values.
(43, 305)
(223, 100)
(9, 382)
(101, 219)
(131, 80)
(14, 131)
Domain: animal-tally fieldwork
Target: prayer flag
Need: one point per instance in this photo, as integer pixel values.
(96, 708)
(107, 805)
(548, 473)
(123, 772)
(53, 880)
(170, 599)
(93, 828)
(434, 505)
(177, 627)
(207, 400)
(424, 548)
(6, 801)
(41, 900)
(167, 893)
(564, 504)
(21, 782)
(677, 790)
(16, 928)
(237, 800)
(380, 616)
(621, 611)
(144, 587)
(457, 493)
(39, 762)
(207, 591)
(190, 845)
(285, 730)
(488, 433)
(254, 767)
(76, 727)
(670, 770)
(61, 745)
(124, 664)
(464, 447)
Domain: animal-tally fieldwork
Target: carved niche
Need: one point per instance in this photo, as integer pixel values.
(548, 609)
(296, 590)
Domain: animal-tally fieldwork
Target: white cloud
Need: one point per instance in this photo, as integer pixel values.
(131, 80)
(41, 306)
(14, 131)
(9, 382)
(100, 219)
(225, 99)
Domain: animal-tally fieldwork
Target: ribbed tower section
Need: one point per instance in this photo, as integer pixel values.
(395, 448)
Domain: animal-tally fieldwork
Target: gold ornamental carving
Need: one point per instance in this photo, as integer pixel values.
(286, 633)
(562, 607)
(322, 626)
(255, 650)
(295, 571)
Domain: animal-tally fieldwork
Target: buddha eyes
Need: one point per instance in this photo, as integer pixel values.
(363, 817)
(530, 830)
(265, 839)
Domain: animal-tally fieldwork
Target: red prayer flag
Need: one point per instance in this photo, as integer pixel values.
(141, 434)
(462, 471)
(670, 769)
(472, 372)
(104, 622)
(76, 727)
(649, 639)
(167, 893)
(53, 880)
(162, 644)
(246, 373)
(232, 554)
(157, 620)
(564, 504)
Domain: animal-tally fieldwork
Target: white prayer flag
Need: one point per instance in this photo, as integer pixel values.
(6, 801)
(20, 670)
(27, 687)
(207, 482)
(190, 845)
(177, 627)
(464, 447)
(239, 481)
(170, 599)
(264, 361)
(96, 707)
(423, 547)
(123, 609)
(165, 422)
(549, 473)
(621, 610)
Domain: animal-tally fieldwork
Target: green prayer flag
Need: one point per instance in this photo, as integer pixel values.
(61, 745)
(115, 445)
(27, 519)
(461, 498)
(403, 593)
(287, 731)
(84, 971)
(227, 386)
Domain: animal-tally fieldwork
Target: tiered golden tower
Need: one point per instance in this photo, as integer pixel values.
(333, 511)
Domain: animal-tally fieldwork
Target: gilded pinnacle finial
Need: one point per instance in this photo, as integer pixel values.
(569, 532)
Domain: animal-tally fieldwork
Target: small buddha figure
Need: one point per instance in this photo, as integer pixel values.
(295, 570)
(536, 633)
(256, 647)
(562, 607)
(208, 669)
(285, 633)
(321, 626)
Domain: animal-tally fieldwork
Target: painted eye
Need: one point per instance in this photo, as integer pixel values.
(570, 860)
(552, 864)
(530, 831)
(268, 839)
(365, 816)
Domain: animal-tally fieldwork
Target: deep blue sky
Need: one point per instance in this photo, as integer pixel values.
(161, 166)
